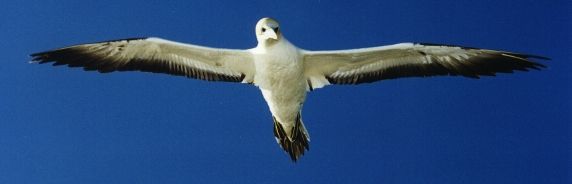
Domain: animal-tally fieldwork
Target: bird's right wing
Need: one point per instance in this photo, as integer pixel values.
(158, 56)
(366, 65)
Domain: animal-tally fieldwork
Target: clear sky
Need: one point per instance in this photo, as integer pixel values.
(64, 125)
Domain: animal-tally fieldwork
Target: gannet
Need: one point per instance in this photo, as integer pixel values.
(285, 73)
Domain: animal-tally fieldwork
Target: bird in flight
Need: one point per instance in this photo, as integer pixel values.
(285, 73)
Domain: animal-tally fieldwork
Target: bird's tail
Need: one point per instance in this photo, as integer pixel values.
(297, 142)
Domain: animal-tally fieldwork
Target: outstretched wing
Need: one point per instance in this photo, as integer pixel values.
(155, 55)
(366, 65)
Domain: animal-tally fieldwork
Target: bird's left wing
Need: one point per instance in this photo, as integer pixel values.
(158, 56)
(366, 65)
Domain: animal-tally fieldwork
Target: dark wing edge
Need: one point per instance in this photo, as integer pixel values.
(480, 63)
(106, 57)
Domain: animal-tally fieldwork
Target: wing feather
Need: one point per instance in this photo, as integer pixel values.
(155, 55)
(366, 65)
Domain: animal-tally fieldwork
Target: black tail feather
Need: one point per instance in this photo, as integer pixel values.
(298, 144)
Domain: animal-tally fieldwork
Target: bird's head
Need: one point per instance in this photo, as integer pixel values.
(268, 31)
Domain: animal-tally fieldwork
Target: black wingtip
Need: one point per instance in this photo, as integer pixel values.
(37, 56)
(535, 57)
(465, 47)
(42, 57)
(532, 64)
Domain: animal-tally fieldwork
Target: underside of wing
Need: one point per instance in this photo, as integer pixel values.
(155, 55)
(411, 60)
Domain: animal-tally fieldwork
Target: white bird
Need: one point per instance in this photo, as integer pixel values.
(285, 73)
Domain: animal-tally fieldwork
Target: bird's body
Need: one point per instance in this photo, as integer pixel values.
(283, 72)
(280, 77)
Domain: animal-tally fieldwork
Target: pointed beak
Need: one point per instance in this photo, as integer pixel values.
(271, 33)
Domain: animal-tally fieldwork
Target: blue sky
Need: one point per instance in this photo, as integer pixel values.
(63, 125)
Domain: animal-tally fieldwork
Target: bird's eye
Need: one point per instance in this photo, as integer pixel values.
(263, 29)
